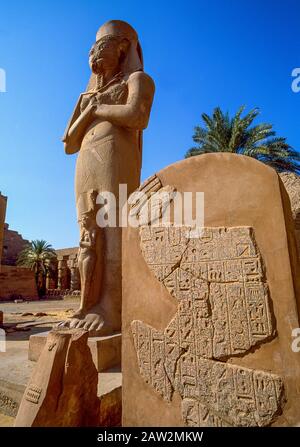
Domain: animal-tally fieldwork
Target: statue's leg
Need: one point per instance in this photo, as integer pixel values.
(90, 315)
(101, 169)
(86, 266)
(89, 267)
(101, 314)
(111, 294)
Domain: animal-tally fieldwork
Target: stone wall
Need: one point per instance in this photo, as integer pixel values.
(3, 201)
(17, 281)
(13, 244)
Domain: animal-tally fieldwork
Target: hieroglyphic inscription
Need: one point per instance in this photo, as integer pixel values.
(219, 281)
(33, 394)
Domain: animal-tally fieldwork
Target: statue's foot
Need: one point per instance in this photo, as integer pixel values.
(90, 320)
(79, 313)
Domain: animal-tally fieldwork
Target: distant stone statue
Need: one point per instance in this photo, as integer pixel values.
(106, 129)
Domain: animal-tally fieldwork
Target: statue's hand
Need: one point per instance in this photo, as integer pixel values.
(89, 109)
(76, 131)
(100, 110)
(93, 100)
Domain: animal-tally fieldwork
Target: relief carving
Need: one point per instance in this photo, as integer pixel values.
(150, 201)
(223, 311)
(33, 394)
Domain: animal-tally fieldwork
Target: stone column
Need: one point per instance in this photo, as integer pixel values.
(75, 281)
(61, 271)
(48, 281)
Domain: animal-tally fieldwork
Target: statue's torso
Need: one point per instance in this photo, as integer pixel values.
(109, 154)
(115, 94)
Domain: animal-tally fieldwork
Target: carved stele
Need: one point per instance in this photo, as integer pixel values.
(219, 282)
(207, 320)
(62, 391)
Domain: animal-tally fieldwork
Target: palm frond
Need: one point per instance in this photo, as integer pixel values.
(238, 135)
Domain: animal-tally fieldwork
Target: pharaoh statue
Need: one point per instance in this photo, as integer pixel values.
(106, 131)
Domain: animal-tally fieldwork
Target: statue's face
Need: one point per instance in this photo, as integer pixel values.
(85, 221)
(104, 56)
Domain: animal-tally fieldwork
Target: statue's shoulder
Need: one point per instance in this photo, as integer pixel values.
(143, 78)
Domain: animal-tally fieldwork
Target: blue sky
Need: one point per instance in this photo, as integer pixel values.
(201, 54)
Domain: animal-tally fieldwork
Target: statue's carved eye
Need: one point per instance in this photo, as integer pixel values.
(103, 46)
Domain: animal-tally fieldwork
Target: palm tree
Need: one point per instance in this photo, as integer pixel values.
(38, 256)
(224, 134)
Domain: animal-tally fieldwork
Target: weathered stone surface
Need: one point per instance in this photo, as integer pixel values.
(17, 281)
(6, 421)
(106, 128)
(12, 390)
(224, 393)
(3, 201)
(13, 244)
(150, 201)
(110, 394)
(111, 409)
(63, 388)
(207, 337)
(106, 351)
(10, 397)
(291, 182)
(37, 343)
(219, 282)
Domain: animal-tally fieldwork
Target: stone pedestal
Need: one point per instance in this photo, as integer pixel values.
(106, 351)
(110, 396)
(75, 278)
